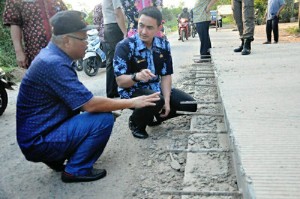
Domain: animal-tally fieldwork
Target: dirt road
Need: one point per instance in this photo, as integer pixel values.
(136, 168)
(126, 159)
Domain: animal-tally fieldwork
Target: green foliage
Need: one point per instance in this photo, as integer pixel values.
(228, 20)
(293, 30)
(7, 53)
(220, 2)
(261, 8)
(170, 16)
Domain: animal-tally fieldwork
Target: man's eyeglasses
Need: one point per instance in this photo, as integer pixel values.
(78, 38)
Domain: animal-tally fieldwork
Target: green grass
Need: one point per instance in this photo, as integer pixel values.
(228, 20)
(293, 30)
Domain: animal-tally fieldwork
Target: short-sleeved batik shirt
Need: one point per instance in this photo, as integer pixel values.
(199, 13)
(132, 56)
(50, 94)
(33, 17)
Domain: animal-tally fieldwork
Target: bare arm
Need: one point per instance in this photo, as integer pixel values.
(166, 85)
(211, 3)
(280, 9)
(102, 104)
(121, 20)
(125, 81)
(16, 35)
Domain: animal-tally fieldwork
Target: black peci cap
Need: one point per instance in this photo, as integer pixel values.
(69, 21)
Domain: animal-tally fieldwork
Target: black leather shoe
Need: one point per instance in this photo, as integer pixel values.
(96, 174)
(136, 132)
(238, 49)
(141, 134)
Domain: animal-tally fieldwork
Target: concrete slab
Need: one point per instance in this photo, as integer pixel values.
(261, 95)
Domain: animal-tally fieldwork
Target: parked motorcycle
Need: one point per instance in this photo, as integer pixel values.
(79, 65)
(4, 84)
(94, 56)
(183, 29)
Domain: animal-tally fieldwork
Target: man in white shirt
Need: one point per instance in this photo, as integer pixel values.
(114, 31)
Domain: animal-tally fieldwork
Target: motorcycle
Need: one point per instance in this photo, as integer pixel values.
(79, 66)
(4, 84)
(193, 30)
(94, 57)
(183, 29)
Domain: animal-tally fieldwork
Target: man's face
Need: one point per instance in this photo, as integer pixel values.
(77, 44)
(147, 29)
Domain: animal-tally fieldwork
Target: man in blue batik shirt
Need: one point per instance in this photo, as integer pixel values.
(50, 128)
(143, 65)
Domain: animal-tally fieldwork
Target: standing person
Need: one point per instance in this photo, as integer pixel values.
(202, 18)
(185, 15)
(29, 24)
(143, 66)
(243, 13)
(50, 127)
(98, 20)
(114, 31)
(272, 16)
(132, 9)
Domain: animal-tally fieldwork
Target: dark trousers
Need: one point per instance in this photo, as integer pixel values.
(141, 117)
(203, 32)
(112, 35)
(272, 24)
(87, 136)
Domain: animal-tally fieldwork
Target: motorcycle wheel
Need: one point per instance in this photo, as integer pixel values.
(91, 66)
(182, 35)
(79, 66)
(3, 99)
(193, 32)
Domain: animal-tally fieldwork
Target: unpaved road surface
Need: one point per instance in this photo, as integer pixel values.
(130, 164)
(136, 168)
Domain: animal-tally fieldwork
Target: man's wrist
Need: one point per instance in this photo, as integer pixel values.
(134, 77)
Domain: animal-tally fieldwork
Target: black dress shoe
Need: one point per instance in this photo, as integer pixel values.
(141, 134)
(136, 132)
(96, 174)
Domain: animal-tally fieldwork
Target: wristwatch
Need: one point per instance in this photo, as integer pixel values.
(133, 77)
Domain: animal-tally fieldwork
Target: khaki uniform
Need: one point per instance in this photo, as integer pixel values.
(243, 13)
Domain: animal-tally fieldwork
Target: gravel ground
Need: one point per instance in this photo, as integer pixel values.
(136, 168)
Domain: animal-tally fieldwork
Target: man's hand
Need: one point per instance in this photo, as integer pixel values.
(145, 75)
(165, 111)
(145, 100)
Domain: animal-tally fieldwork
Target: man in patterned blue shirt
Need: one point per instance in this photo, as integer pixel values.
(143, 65)
(50, 128)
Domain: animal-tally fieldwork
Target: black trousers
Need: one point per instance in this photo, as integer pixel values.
(272, 25)
(205, 43)
(112, 35)
(141, 117)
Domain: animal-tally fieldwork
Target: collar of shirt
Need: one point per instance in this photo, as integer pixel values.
(60, 52)
(156, 43)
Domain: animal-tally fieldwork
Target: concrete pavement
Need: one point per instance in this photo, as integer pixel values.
(261, 95)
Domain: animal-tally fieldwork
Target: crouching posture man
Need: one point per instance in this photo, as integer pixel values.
(143, 65)
(50, 127)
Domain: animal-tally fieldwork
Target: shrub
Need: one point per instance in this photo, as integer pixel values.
(7, 53)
